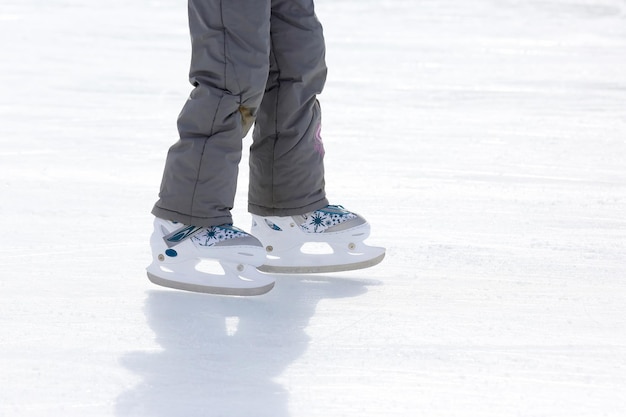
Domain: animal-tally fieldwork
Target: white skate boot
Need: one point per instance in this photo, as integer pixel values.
(216, 260)
(326, 240)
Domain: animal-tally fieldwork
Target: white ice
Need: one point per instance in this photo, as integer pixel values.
(485, 140)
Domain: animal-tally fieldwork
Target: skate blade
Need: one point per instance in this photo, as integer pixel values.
(248, 282)
(321, 269)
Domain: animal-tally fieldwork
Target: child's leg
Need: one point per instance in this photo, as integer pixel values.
(229, 67)
(286, 158)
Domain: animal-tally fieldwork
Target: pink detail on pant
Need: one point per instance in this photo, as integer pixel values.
(319, 144)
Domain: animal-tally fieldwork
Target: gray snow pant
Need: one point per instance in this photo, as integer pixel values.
(255, 62)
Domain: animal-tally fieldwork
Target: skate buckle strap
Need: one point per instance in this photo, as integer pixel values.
(180, 235)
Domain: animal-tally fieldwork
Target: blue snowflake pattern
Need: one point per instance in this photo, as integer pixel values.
(215, 234)
(321, 220)
(317, 221)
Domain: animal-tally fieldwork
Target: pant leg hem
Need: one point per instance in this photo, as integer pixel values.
(291, 211)
(190, 220)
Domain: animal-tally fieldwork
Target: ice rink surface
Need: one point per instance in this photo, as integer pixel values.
(485, 140)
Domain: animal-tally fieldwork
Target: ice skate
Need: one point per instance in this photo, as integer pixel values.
(326, 240)
(216, 260)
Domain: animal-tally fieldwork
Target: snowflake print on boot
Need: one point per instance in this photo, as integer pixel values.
(323, 219)
(216, 234)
